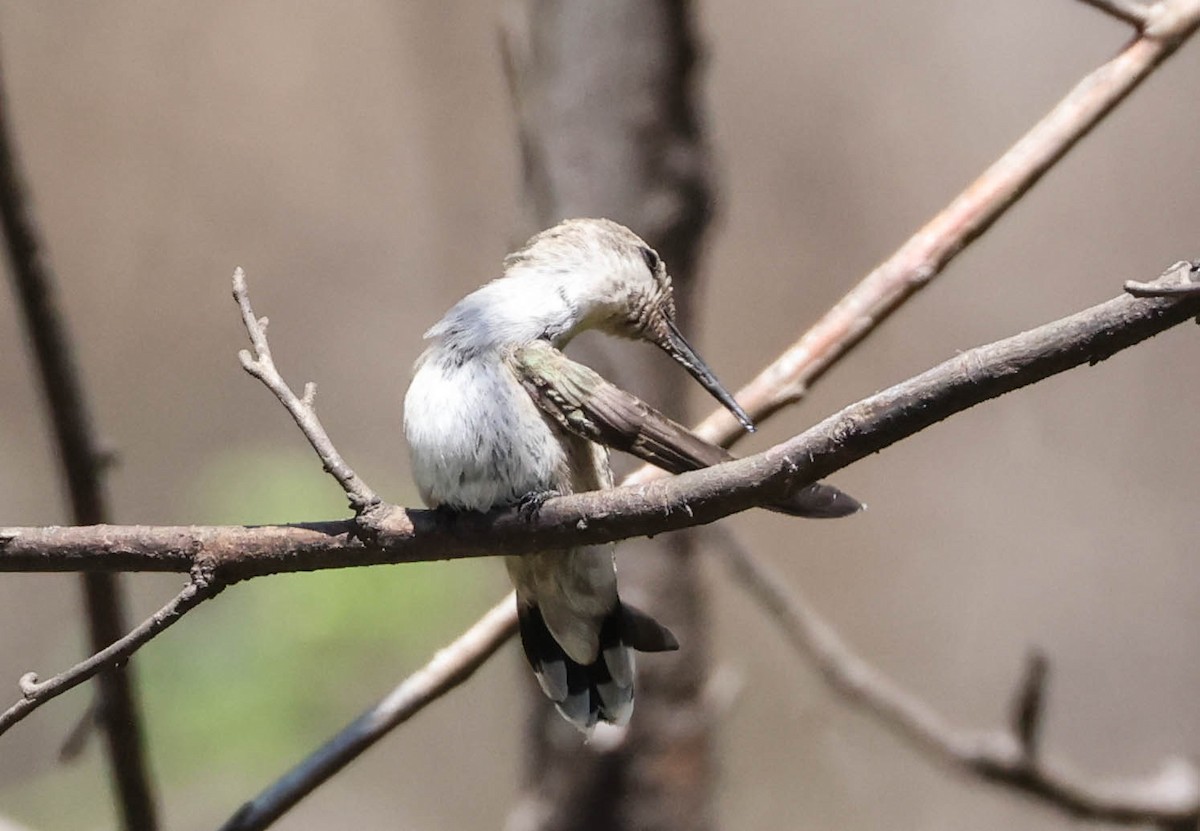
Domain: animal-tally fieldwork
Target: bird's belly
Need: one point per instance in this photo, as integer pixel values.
(476, 438)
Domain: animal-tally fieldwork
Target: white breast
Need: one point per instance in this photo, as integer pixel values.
(476, 438)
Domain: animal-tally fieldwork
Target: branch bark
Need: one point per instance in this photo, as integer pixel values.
(690, 499)
(82, 463)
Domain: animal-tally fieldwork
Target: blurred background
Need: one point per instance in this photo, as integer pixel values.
(358, 159)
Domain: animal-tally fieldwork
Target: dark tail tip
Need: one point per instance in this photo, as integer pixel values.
(602, 690)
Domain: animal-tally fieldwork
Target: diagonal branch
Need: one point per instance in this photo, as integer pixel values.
(1006, 758)
(82, 462)
(34, 693)
(450, 667)
(927, 253)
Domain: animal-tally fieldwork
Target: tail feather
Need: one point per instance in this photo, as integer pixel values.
(603, 690)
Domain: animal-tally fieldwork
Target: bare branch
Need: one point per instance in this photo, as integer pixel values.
(82, 461)
(1132, 12)
(35, 693)
(926, 254)
(450, 667)
(261, 365)
(690, 499)
(1003, 758)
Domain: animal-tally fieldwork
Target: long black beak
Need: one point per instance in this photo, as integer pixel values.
(674, 344)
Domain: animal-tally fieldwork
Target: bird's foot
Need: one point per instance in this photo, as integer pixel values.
(532, 502)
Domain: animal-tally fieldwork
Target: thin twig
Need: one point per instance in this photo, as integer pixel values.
(1185, 284)
(926, 254)
(1132, 12)
(82, 462)
(261, 365)
(34, 693)
(1029, 703)
(451, 666)
(690, 499)
(999, 757)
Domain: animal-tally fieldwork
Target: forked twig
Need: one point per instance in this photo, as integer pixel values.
(261, 365)
(1007, 758)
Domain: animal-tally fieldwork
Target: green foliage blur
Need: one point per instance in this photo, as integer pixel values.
(255, 679)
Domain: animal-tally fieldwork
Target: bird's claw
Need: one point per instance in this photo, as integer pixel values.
(532, 502)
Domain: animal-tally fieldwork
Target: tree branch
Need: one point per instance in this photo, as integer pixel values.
(926, 254)
(450, 667)
(1006, 758)
(974, 376)
(34, 693)
(82, 462)
(302, 408)
(233, 553)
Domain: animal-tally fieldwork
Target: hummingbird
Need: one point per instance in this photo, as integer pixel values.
(480, 439)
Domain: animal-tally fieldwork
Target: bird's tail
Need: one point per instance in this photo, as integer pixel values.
(602, 690)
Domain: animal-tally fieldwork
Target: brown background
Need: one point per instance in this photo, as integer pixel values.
(358, 160)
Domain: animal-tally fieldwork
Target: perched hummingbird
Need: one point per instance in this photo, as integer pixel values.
(479, 441)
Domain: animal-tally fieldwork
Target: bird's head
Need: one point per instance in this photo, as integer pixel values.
(611, 280)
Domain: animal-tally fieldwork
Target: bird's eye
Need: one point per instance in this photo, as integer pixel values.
(651, 258)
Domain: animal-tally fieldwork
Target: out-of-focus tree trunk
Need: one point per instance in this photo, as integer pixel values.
(609, 127)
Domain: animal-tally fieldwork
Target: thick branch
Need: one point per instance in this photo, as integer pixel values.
(1007, 758)
(690, 499)
(930, 250)
(82, 462)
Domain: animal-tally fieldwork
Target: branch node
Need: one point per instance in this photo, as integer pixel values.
(28, 684)
(310, 394)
